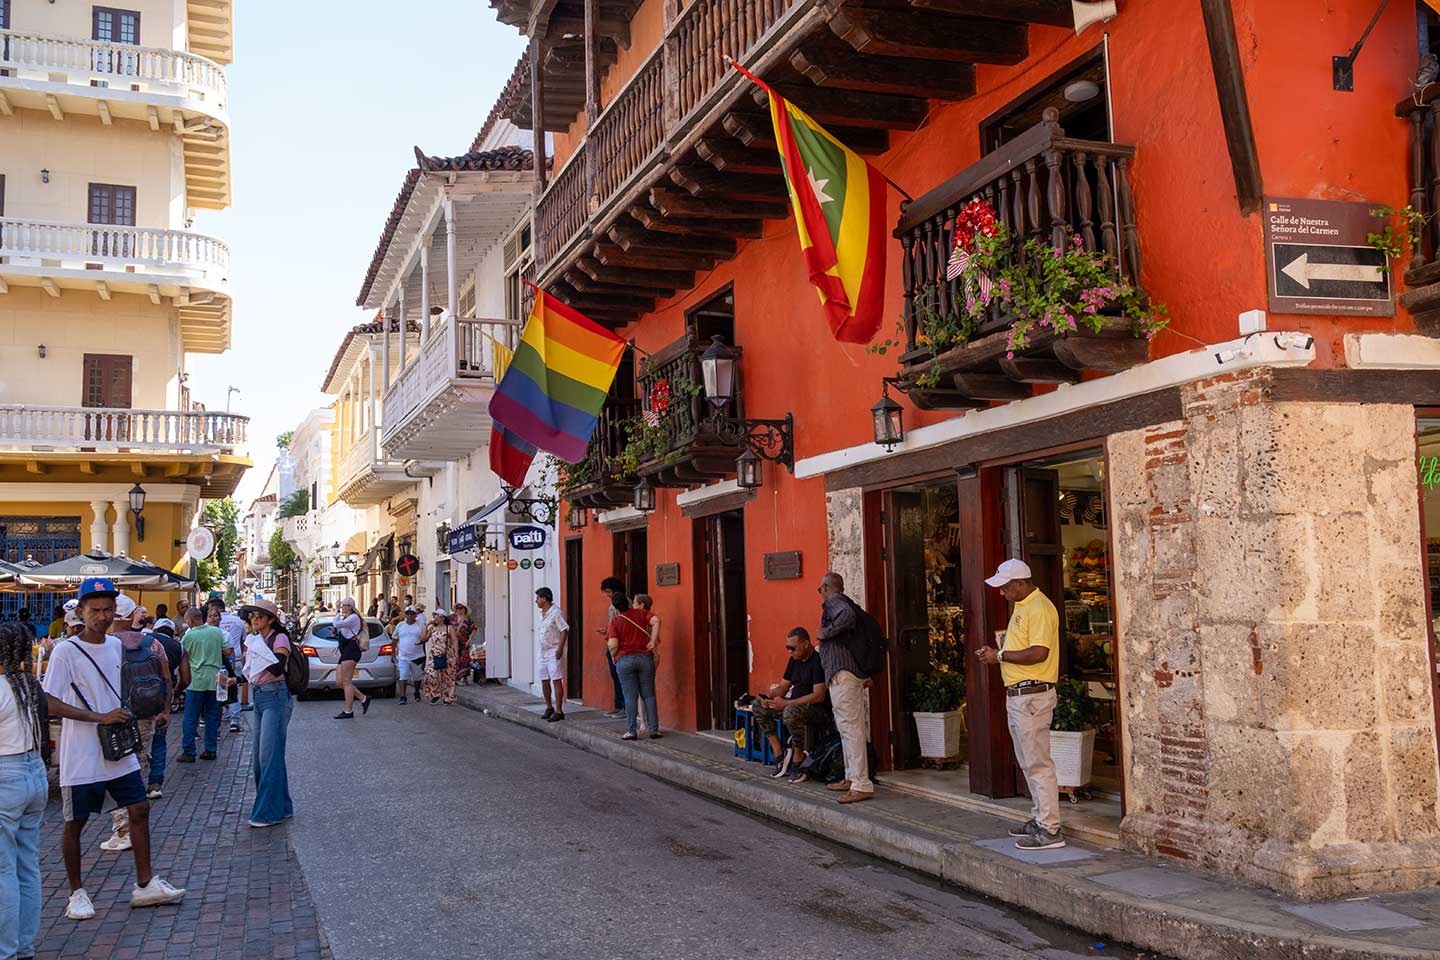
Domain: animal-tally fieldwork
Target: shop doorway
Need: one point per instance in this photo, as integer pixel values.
(1429, 477)
(631, 551)
(927, 611)
(575, 614)
(720, 578)
(1055, 519)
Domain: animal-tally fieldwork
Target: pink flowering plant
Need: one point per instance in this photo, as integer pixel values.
(1036, 286)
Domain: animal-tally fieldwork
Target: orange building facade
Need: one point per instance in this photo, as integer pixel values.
(1232, 515)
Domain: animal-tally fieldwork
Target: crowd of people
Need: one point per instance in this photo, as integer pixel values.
(112, 674)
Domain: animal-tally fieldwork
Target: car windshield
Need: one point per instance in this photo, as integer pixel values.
(326, 631)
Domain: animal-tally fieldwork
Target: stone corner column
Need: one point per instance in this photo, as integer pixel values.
(1276, 682)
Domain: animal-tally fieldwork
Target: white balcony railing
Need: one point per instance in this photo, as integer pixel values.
(122, 66)
(296, 528)
(134, 249)
(107, 428)
(359, 458)
(470, 356)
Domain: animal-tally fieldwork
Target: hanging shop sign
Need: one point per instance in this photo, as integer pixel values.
(339, 579)
(462, 540)
(784, 565)
(527, 538)
(1320, 259)
(408, 565)
(667, 574)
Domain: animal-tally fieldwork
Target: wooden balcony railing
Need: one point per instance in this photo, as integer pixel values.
(604, 486)
(563, 209)
(678, 78)
(1042, 185)
(689, 451)
(1422, 276)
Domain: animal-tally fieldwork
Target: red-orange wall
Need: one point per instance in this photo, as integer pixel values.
(1201, 258)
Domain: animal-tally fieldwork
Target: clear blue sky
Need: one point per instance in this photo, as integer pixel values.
(327, 102)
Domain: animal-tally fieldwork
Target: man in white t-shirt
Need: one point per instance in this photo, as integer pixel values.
(82, 682)
(551, 632)
(409, 637)
(234, 629)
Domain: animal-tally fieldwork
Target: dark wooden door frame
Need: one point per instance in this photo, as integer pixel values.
(903, 740)
(574, 607)
(992, 757)
(1427, 413)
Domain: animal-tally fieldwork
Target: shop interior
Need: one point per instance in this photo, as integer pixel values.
(1429, 475)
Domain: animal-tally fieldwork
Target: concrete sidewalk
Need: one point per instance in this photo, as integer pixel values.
(1153, 904)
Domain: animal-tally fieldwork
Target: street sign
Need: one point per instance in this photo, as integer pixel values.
(1320, 261)
(200, 543)
(408, 565)
(527, 538)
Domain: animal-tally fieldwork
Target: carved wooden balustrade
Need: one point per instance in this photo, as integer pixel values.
(690, 448)
(1422, 277)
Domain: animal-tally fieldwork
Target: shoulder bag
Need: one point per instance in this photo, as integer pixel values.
(117, 740)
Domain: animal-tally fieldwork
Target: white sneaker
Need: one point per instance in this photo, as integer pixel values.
(154, 893)
(80, 907)
(154, 793)
(116, 843)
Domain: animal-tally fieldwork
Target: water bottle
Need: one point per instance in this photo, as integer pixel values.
(222, 689)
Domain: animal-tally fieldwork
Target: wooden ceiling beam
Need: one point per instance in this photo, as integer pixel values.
(732, 157)
(585, 283)
(695, 227)
(675, 203)
(703, 181)
(632, 277)
(836, 65)
(1053, 13)
(632, 236)
(853, 108)
(613, 255)
(919, 36)
(754, 130)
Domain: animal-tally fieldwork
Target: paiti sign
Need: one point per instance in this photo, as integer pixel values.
(527, 538)
(1319, 260)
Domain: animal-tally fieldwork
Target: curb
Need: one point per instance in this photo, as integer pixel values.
(1098, 910)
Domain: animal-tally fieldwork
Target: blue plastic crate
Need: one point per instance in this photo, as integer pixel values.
(757, 746)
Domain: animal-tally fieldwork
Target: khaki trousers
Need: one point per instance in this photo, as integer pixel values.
(1029, 720)
(847, 697)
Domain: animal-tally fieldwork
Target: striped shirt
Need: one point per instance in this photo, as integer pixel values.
(837, 620)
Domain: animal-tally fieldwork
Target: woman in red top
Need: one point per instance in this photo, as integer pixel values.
(632, 645)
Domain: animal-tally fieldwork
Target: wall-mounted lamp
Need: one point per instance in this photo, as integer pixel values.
(137, 505)
(41, 348)
(44, 175)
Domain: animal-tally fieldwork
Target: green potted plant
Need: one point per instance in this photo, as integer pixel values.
(937, 700)
(1072, 733)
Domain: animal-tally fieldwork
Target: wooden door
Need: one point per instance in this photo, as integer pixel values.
(726, 628)
(575, 614)
(903, 517)
(1032, 527)
(631, 557)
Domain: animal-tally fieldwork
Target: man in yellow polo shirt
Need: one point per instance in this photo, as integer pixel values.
(1030, 667)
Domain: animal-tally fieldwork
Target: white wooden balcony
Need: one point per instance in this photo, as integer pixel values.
(366, 477)
(438, 407)
(189, 269)
(159, 86)
(110, 429)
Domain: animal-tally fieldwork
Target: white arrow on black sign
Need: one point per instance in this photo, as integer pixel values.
(1302, 271)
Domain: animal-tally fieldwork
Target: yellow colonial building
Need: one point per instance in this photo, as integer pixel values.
(113, 137)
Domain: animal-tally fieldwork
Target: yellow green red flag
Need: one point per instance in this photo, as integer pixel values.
(839, 204)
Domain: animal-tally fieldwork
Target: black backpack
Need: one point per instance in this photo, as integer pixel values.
(297, 665)
(142, 681)
(866, 642)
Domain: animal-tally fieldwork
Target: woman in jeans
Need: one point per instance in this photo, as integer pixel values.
(273, 704)
(629, 641)
(23, 792)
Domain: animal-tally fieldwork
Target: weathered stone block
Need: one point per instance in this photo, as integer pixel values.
(1298, 456)
(1126, 458)
(1413, 776)
(1367, 817)
(1321, 676)
(1254, 569)
(1405, 685)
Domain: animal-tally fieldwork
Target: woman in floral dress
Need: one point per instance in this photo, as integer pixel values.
(440, 648)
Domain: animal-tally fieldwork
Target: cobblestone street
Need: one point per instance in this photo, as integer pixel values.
(246, 896)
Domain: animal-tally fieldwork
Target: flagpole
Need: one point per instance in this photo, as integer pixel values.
(766, 87)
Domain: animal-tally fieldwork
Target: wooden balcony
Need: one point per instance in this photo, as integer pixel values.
(685, 449)
(600, 483)
(1043, 186)
(1422, 277)
(680, 164)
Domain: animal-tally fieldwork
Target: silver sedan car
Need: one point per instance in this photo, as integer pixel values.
(376, 670)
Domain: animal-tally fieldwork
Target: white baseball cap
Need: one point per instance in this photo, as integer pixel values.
(124, 606)
(1010, 570)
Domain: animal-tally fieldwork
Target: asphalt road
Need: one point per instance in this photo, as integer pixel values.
(435, 831)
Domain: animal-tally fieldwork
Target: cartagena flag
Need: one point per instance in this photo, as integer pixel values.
(839, 203)
(552, 390)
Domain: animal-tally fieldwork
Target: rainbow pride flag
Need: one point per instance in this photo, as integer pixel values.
(552, 389)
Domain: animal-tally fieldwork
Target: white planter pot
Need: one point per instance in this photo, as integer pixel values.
(939, 733)
(1073, 752)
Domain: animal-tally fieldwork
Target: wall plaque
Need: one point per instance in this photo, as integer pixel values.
(667, 574)
(782, 566)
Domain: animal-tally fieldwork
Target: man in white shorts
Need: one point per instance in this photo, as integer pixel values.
(409, 637)
(551, 632)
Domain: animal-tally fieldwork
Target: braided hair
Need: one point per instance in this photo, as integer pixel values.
(15, 659)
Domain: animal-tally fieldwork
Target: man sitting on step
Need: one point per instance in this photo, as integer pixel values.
(799, 699)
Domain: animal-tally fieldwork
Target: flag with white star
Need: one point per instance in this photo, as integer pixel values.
(839, 204)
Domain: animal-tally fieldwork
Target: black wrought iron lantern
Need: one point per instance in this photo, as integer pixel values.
(717, 370)
(747, 470)
(644, 496)
(137, 506)
(887, 420)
